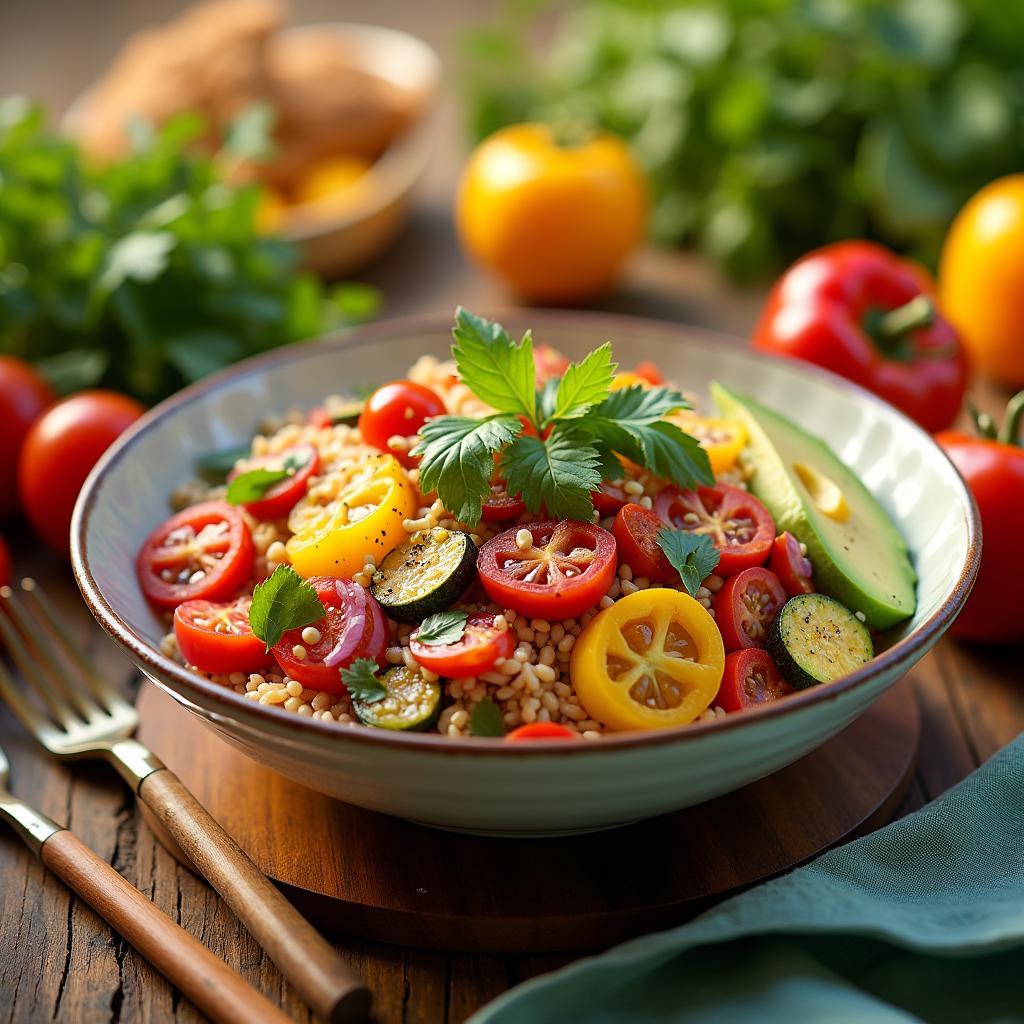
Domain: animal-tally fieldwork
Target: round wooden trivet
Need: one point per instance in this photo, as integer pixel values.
(356, 872)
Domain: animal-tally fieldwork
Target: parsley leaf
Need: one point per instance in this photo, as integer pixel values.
(285, 601)
(442, 628)
(559, 473)
(585, 384)
(498, 371)
(693, 555)
(361, 681)
(486, 719)
(458, 459)
(254, 485)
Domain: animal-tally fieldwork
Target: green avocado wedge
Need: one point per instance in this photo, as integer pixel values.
(859, 556)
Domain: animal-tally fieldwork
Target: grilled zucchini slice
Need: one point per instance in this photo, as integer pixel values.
(815, 639)
(426, 574)
(412, 703)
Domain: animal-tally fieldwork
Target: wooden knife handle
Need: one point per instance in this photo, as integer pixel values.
(327, 984)
(208, 982)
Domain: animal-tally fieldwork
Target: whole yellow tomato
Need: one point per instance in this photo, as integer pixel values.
(981, 278)
(555, 221)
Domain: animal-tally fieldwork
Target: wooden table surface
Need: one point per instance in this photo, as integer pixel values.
(58, 961)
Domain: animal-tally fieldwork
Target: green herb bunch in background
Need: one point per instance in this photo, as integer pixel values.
(769, 127)
(149, 273)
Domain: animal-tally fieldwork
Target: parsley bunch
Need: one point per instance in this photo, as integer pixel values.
(554, 444)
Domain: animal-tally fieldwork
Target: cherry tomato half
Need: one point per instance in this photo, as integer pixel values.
(750, 678)
(563, 572)
(646, 370)
(541, 731)
(740, 526)
(501, 506)
(5, 564)
(636, 532)
(482, 646)
(301, 462)
(354, 627)
(791, 565)
(746, 607)
(203, 553)
(399, 408)
(23, 397)
(59, 451)
(218, 638)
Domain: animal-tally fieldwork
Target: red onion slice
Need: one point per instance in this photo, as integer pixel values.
(378, 642)
(354, 604)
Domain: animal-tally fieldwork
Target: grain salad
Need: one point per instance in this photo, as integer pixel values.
(502, 544)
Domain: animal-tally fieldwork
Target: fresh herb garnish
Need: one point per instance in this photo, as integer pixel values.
(285, 601)
(693, 555)
(252, 486)
(216, 465)
(442, 628)
(577, 425)
(486, 719)
(361, 681)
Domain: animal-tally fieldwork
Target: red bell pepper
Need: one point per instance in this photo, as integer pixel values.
(861, 311)
(993, 467)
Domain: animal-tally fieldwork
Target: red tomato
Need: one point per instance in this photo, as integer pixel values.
(791, 565)
(354, 627)
(746, 607)
(59, 451)
(23, 397)
(740, 526)
(5, 564)
(203, 553)
(636, 532)
(279, 499)
(564, 572)
(994, 472)
(750, 678)
(399, 408)
(482, 646)
(548, 362)
(502, 506)
(541, 731)
(649, 372)
(319, 417)
(218, 638)
(608, 498)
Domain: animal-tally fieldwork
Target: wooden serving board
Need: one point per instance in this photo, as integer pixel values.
(353, 871)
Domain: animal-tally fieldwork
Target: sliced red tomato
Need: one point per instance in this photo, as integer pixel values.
(649, 372)
(301, 462)
(636, 532)
(746, 607)
(740, 526)
(398, 409)
(791, 565)
(609, 498)
(354, 627)
(482, 646)
(750, 678)
(217, 637)
(541, 731)
(501, 506)
(203, 553)
(564, 571)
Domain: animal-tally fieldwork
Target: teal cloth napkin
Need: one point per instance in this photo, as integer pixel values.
(920, 921)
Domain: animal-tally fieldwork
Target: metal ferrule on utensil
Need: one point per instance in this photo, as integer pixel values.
(33, 827)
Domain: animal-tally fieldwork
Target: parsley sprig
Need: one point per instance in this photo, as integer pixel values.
(693, 555)
(283, 602)
(554, 444)
(362, 683)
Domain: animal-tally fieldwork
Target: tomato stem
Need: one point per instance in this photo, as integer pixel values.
(894, 326)
(984, 424)
(1010, 431)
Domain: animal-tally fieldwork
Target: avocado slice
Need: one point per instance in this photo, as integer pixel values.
(858, 554)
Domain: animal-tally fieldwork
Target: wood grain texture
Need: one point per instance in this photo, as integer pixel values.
(338, 863)
(211, 985)
(330, 987)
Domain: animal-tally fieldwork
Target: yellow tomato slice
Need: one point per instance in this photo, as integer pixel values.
(362, 521)
(653, 660)
(722, 439)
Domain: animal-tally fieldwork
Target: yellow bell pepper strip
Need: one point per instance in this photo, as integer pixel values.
(653, 660)
(361, 521)
(722, 439)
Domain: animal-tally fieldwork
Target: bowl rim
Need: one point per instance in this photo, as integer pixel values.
(234, 705)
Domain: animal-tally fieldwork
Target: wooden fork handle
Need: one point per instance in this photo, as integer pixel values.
(321, 977)
(215, 988)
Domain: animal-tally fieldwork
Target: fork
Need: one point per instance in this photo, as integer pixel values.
(213, 986)
(76, 714)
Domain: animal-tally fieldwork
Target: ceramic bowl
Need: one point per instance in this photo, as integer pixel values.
(549, 787)
(341, 241)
